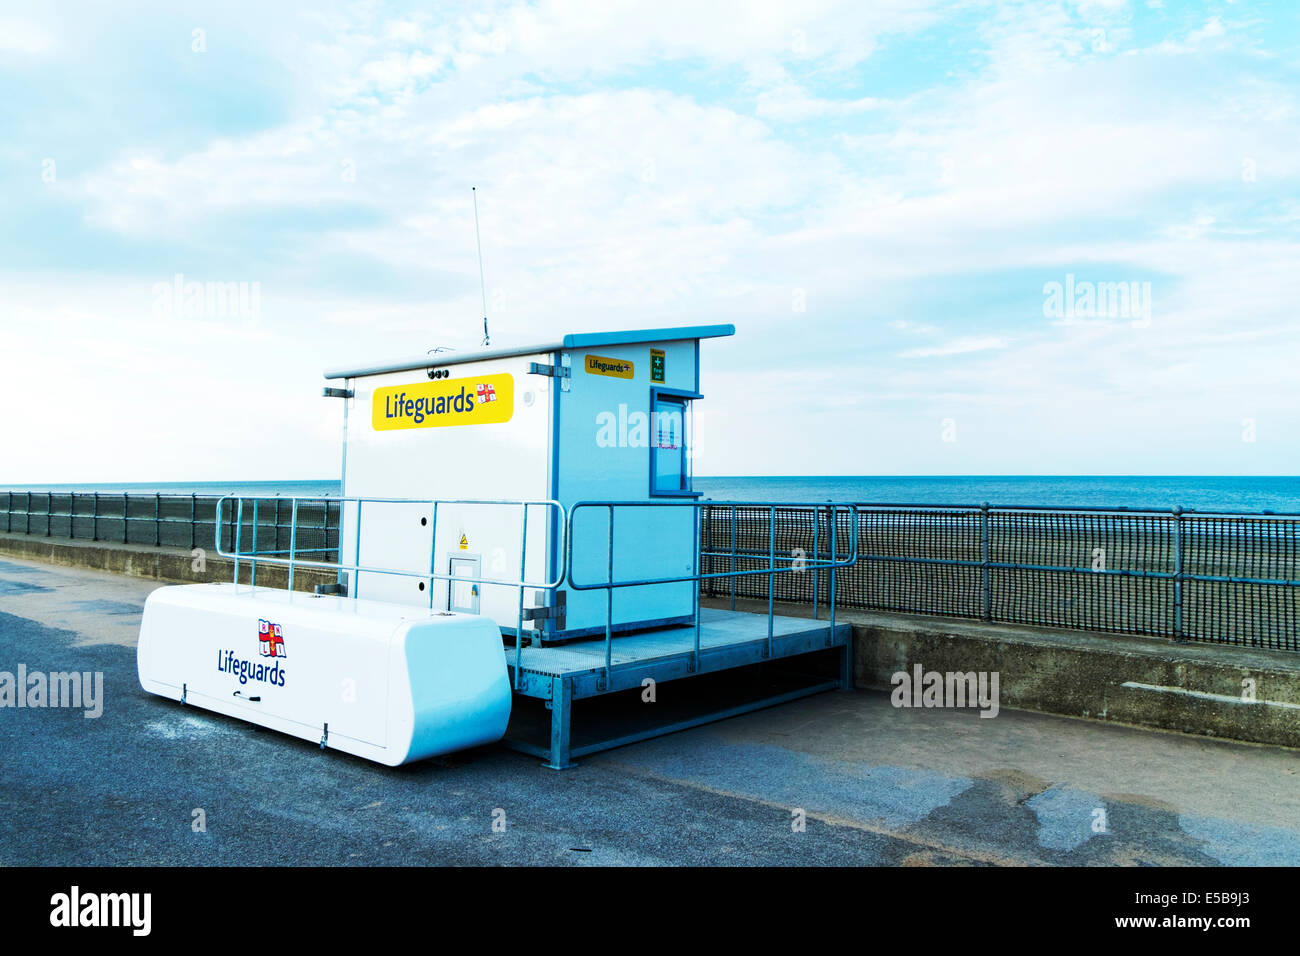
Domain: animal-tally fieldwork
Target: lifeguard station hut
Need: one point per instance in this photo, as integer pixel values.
(519, 534)
(602, 416)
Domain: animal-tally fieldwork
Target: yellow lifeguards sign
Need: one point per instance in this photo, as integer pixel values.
(614, 368)
(481, 400)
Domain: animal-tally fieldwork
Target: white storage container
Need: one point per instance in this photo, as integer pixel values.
(386, 682)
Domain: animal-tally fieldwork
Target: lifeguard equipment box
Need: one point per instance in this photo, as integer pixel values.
(595, 416)
(388, 683)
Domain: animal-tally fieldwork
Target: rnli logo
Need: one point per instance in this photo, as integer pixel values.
(270, 639)
(483, 400)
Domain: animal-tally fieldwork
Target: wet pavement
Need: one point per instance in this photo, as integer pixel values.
(841, 778)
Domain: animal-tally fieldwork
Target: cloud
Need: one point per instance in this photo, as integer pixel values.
(25, 38)
(961, 346)
(829, 178)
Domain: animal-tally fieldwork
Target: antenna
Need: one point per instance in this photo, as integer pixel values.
(487, 339)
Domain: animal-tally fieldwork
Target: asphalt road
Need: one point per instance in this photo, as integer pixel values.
(876, 785)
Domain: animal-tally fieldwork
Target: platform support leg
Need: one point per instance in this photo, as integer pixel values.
(846, 664)
(561, 720)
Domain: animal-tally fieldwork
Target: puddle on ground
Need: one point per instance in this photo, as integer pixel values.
(108, 607)
(13, 568)
(9, 587)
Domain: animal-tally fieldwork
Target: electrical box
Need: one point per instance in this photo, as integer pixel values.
(596, 417)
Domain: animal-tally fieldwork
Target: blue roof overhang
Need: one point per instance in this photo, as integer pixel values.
(573, 340)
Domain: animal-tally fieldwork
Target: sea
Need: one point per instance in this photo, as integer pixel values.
(1203, 493)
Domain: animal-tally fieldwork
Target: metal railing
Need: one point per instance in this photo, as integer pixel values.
(740, 552)
(354, 568)
(1222, 577)
(1217, 577)
(826, 557)
(157, 520)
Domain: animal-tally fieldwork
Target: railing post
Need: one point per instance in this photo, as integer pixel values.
(94, 522)
(193, 508)
(523, 572)
(236, 533)
(1178, 575)
(771, 575)
(157, 519)
(216, 523)
(704, 527)
(830, 603)
(354, 584)
(699, 570)
(27, 515)
(72, 514)
(817, 553)
(609, 606)
(126, 511)
(986, 593)
(733, 557)
(252, 565)
(293, 537)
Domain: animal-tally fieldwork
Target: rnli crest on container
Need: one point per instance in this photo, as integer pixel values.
(480, 400)
(270, 639)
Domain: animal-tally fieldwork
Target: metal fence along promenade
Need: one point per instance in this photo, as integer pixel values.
(166, 521)
(1223, 578)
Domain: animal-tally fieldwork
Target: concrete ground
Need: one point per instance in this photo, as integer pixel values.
(876, 785)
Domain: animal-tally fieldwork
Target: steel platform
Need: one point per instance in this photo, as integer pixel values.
(559, 675)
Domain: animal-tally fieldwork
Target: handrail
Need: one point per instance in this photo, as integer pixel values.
(271, 557)
(831, 565)
(554, 508)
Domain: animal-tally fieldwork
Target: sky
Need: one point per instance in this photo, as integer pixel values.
(961, 237)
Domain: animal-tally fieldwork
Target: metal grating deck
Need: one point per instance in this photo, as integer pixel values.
(719, 628)
(727, 639)
(565, 674)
